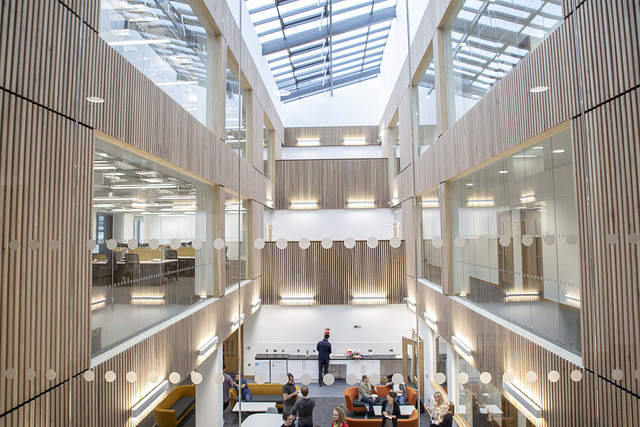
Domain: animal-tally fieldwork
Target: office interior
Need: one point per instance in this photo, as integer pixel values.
(449, 188)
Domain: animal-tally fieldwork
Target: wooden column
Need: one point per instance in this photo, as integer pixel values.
(220, 84)
(219, 279)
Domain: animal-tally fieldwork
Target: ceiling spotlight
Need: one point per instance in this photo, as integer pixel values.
(95, 99)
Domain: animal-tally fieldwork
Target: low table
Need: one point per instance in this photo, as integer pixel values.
(254, 406)
(405, 410)
(262, 420)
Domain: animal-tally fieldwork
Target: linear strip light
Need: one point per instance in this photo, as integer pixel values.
(256, 303)
(361, 204)
(297, 298)
(308, 142)
(361, 297)
(371, 299)
(98, 301)
(354, 141)
(522, 294)
(304, 205)
(204, 348)
(114, 199)
(477, 203)
(528, 198)
(136, 187)
(430, 204)
(522, 398)
(461, 347)
(138, 42)
(146, 401)
(572, 297)
(178, 83)
(431, 320)
(411, 302)
(150, 297)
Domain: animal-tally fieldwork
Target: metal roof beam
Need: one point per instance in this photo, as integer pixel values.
(339, 28)
(337, 82)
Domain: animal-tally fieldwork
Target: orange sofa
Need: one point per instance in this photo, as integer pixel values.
(353, 404)
(412, 421)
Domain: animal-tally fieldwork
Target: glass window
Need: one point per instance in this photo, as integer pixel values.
(166, 42)
(235, 112)
(426, 119)
(153, 226)
(478, 403)
(515, 250)
(236, 234)
(487, 40)
(432, 243)
(393, 135)
(268, 137)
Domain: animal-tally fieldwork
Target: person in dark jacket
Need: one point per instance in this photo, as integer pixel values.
(447, 419)
(324, 352)
(390, 411)
(303, 409)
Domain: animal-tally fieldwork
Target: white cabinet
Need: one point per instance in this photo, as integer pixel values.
(363, 366)
(262, 367)
(278, 367)
(300, 367)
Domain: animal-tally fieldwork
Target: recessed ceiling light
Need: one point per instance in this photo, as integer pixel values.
(536, 148)
(469, 184)
(538, 89)
(503, 171)
(558, 151)
(95, 99)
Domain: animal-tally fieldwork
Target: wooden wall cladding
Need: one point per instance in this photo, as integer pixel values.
(335, 275)
(607, 159)
(331, 182)
(174, 349)
(330, 135)
(45, 189)
(609, 43)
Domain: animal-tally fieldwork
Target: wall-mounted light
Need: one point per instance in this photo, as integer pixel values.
(297, 299)
(394, 201)
(539, 89)
(98, 301)
(146, 401)
(204, 348)
(256, 303)
(527, 198)
(411, 302)
(149, 297)
(308, 142)
(523, 294)
(361, 204)
(523, 399)
(371, 299)
(354, 141)
(480, 203)
(431, 320)
(574, 298)
(304, 205)
(558, 151)
(461, 347)
(236, 320)
(270, 203)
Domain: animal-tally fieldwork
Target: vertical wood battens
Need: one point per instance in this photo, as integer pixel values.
(335, 275)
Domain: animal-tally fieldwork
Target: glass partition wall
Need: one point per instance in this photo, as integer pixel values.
(153, 230)
(515, 248)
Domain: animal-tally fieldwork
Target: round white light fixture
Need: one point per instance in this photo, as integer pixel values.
(539, 89)
(95, 99)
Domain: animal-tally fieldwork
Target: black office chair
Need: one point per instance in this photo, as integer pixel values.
(172, 268)
(131, 268)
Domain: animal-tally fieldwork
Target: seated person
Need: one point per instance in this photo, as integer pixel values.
(244, 386)
(365, 392)
(400, 390)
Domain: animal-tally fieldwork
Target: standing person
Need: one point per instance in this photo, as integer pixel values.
(288, 419)
(289, 394)
(244, 386)
(365, 392)
(339, 418)
(324, 351)
(390, 411)
(303, 409)
(226, 385)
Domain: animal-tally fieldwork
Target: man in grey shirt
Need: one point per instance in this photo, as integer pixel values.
(289, 394)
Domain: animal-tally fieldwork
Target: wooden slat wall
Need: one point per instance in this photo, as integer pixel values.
(611, 135)
(45, 189)
(174, 349)
(333, 275)
(330, 135)
(331, 182)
